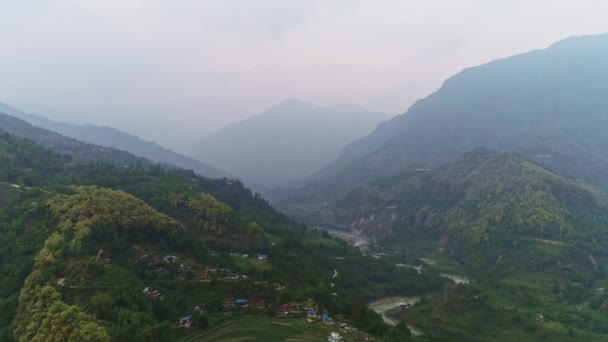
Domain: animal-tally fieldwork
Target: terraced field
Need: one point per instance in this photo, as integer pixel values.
(265, 328)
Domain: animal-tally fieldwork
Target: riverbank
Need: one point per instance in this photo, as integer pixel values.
(384, 305)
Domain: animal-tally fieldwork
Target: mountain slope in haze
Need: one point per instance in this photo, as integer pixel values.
(287, 142)
(68, 146)
(502, 105)
(474, 209)
(570, 158)
(110, 137)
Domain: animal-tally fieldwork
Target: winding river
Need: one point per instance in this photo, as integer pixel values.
(355, 239)
(383, 305)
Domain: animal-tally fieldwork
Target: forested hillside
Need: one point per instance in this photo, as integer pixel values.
(97, 252)
(534, 241)
(68, 146)
(116, 139)
(474, 209)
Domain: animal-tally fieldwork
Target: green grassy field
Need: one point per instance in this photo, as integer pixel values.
(264, 328)
(252, 262)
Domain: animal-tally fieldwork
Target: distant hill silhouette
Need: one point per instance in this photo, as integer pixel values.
(111, 137)
(289, 141)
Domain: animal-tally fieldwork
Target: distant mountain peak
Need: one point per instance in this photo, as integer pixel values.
(580, 40)
(290, 103)
(294, 101)
(288, 141)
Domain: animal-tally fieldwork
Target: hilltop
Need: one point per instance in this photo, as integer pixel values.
(287, 142)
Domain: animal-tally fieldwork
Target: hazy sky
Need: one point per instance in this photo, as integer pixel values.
(172, 70)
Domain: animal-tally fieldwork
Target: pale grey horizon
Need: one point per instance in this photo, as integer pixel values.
(173, 71)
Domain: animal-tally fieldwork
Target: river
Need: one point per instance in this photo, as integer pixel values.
(354, 238)
(383, 305)
(458, 279)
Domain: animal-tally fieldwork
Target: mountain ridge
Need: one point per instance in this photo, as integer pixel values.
(482, 199)
(504, 104)
(111, 137)
(288, 141)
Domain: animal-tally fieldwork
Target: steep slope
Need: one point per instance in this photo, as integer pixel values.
(97, 252)
(474, 210)
(68, 146)
(564, 155)
(289, 141)
(111, 137)
(502, 105)
(535, 243)
(84, 218)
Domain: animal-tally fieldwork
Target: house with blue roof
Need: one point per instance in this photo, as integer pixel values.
(170, 258)
(312, 316)
(185, 322)
(327, 320)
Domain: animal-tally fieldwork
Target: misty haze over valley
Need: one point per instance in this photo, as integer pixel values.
(303, 171)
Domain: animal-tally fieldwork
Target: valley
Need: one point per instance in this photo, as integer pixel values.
(470, 205)
(129, 268)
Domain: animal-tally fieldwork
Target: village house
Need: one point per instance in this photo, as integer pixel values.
(185, 322)
(281, 312)
(156, 295)
(279, 287)
(259, 304)
(295, 309)
(364, 338)
(183, 268)
(540, 318)
(241, 303)
(334, 337)
(229, 302)
(236, 277)
(312, 316)
(345, 328)
(262, 256)
(170, 258)
(327, 320)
